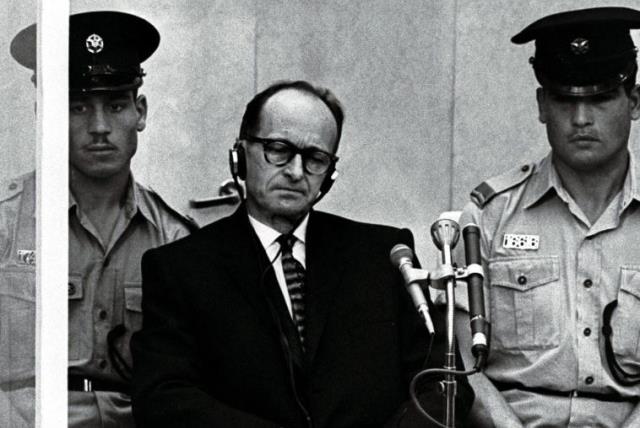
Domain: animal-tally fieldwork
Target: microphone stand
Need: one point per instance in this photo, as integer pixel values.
(445, 234)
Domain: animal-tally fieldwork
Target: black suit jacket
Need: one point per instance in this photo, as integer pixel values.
(214, 348)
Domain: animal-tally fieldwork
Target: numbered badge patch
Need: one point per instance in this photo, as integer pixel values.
(27, 257)
(521, 242)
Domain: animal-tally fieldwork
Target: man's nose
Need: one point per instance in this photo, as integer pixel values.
(295, 167)
(582, 114)
(99, 122)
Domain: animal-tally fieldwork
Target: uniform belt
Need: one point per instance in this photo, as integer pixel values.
(12, 385)
(87, 384)
(506, 386)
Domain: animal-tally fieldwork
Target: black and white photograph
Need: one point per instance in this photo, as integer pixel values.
(364, 213)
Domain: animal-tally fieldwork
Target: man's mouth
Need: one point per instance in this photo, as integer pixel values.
(290, 190)
(101, 147)
(583, 137)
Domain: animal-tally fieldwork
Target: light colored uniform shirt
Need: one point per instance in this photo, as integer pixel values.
(268, 238)
(17, 301)
(545, 303)
(105, 291)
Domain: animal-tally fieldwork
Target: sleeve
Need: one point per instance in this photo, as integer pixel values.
(167, 386)
(490, 409)
(414, 345)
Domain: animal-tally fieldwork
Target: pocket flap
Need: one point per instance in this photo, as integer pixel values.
(630, 280)
(523, 273)
(133, 296)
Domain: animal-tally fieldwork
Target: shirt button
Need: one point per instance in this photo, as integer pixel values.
(587, 283)
(522, 280)
(102, 364)
(589, 380)
(525, 168)
(587, 332)
(13, 186)
(72, 289)
(102, 314)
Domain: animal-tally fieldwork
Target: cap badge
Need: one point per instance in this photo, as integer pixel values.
(94, 44)
(580, 46)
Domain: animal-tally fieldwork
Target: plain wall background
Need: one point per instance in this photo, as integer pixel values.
(17, 103)
(437, 98)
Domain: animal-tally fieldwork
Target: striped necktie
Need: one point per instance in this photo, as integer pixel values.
(294, 277)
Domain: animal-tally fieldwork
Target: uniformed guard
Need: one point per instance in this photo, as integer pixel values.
(113, 219)
(17, 301)
(18, 296)
(559, 239)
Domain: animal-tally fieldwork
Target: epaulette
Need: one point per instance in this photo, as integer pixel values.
(487, 190)
(188, 220)
(13, 186)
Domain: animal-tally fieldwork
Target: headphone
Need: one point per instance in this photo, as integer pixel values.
(238, 167)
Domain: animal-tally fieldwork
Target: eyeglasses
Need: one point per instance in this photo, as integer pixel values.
(280, 152)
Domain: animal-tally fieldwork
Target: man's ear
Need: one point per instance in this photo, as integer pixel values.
(141, 108)
(542, 106)
(634, 98)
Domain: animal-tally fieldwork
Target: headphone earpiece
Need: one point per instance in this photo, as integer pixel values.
(237, 162)
(331, 177)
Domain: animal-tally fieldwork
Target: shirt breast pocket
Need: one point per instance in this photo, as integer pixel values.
(526, 302)
(626, 319)
(133, 306)
(80, 320)
(17, 323)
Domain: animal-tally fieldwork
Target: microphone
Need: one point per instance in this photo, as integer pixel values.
(445, 233)
(401, 256)
(471, 235)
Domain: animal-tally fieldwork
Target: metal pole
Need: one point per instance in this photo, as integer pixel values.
(449, 383)
(445, 233)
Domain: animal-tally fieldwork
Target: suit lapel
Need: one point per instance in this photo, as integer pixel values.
(250, 268)
(325, 265)
(255, 277)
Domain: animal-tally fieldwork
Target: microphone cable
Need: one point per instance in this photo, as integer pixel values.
(431, 372)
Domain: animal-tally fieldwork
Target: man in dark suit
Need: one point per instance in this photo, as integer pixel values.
(280, 315)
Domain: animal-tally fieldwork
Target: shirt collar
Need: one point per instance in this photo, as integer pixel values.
(268, 235)
(137, 201)
(134, 201)
(630, 189)
(545, 178)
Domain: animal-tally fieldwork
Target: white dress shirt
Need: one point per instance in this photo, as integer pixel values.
(268, 238)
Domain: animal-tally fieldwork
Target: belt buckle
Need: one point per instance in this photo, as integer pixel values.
(573, 394)
(86, 385)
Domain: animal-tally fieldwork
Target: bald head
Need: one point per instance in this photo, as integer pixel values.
(253, 113)
(295, 114)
